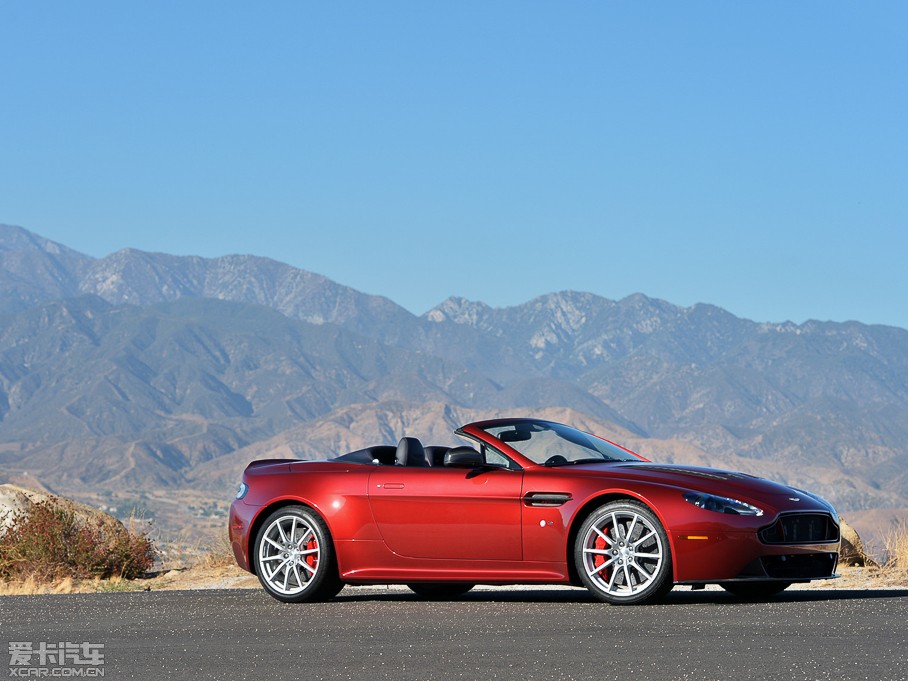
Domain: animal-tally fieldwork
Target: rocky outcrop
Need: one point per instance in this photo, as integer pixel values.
(852, 551)
(16, 501)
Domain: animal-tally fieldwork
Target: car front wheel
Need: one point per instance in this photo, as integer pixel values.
(294, 556)
(622, 554)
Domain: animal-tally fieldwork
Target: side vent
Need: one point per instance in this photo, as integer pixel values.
(546, 499)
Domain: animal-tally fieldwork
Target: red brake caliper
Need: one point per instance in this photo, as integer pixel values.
(599, 559)
(311, 558)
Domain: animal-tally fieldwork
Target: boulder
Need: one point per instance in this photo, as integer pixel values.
(16, 500)
(852, 552)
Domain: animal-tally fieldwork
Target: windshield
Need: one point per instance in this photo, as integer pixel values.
(553, 444)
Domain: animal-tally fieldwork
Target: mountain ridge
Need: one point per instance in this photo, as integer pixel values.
(143, 370)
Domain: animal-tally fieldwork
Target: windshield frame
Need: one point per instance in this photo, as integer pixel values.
(547, 443)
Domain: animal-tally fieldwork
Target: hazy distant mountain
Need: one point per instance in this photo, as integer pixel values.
(183, 382)
(145, 370)
(34, 270)
(139, 278)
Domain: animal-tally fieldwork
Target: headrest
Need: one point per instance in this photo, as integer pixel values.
(410, 452)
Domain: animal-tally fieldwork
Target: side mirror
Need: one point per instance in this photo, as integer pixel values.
(463, 457)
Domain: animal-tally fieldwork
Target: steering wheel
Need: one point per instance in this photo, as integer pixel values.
(555, 460)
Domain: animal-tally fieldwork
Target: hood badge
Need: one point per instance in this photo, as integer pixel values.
(794, 498)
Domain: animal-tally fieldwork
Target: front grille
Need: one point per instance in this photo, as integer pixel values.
(801, 528)
(803, 566)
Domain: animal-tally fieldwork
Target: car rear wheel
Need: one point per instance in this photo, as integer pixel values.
(622, 554)
(294, 556)
(755, 590)
(440, 590)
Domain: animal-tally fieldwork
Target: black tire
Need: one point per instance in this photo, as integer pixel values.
(294, 556)
(622, 554)
(755, 590)
(440, 590)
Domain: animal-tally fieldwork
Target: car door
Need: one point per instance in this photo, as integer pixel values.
(448, 513)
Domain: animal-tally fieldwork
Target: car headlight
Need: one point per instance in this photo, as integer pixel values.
(241, 492)
(711, 502)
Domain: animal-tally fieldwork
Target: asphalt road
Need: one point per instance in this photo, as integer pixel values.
(370, 634)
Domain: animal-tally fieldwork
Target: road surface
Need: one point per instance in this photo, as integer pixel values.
(549, 633)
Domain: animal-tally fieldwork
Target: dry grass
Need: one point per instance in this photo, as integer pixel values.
(187, 552)
(895, 544)
(30, 586)
(219, 554)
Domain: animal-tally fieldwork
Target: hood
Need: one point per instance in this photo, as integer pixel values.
(712, 481)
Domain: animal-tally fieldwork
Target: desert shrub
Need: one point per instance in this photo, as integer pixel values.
(51, 541)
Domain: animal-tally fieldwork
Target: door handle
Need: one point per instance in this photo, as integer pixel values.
(393, 485)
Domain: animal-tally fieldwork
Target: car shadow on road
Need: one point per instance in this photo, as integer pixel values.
(795, 596)
(678, 596)
(488, 595)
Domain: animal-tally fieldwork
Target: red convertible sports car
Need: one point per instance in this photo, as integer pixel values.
(529, 502)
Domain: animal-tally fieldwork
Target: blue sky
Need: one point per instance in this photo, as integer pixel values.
(749, 155)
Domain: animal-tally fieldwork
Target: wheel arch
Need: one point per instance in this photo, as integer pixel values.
(266, 511)
(588, 507)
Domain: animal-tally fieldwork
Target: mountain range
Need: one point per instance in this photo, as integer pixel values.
(148, 376)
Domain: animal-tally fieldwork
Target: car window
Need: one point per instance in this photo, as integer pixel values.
(555, 444)
(495, 458)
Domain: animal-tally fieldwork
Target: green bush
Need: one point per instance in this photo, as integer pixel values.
(52, 541)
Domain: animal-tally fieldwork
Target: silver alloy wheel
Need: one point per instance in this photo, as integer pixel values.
(289, 554)
(623, 553)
